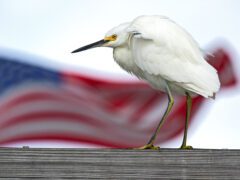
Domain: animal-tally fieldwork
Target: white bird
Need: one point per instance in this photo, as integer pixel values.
(156, 49)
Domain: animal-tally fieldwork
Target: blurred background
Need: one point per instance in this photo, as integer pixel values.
(53, 28)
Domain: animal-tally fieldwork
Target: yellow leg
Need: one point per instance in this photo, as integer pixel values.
(189, 105)
(150, 145)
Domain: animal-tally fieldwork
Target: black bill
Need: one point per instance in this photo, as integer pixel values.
(93, 45)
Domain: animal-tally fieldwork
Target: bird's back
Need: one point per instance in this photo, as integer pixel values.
(164, 50)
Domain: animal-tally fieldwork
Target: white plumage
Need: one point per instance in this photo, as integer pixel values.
(156, 49)
(161, 50)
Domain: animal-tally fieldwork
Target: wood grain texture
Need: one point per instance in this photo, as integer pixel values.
(31, 163)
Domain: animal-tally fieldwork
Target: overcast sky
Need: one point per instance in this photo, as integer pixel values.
(53, 28)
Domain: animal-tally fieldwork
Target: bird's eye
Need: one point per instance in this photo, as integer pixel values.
(114, 37)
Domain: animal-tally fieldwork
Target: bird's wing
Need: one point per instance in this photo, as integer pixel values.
(166, 34)
(165, 49)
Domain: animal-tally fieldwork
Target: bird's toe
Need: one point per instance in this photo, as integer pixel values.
(186, 147)
(149, 146)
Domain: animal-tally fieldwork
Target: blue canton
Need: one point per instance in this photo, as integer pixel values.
(13, 72)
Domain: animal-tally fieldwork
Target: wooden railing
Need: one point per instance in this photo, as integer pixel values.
(31, 163)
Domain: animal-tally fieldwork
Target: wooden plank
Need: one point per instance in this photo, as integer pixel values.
(31, 163)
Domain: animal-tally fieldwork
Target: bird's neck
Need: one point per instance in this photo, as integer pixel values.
(123, 56)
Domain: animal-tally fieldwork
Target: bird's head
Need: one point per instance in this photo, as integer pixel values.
(116, 37)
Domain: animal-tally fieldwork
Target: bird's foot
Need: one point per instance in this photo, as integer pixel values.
(149, 146)
(186, 147)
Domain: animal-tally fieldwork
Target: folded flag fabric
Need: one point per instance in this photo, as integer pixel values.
(38, 103)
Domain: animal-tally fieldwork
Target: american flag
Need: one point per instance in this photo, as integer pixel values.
(38, 103)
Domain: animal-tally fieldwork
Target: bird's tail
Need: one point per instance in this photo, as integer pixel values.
(208, 87)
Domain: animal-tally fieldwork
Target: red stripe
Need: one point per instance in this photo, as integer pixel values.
(97, 82)
(221, 60)
(120, 100)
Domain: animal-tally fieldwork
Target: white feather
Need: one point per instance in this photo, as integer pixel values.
(164, 50)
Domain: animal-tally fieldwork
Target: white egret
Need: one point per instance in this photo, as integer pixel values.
(156, 49)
